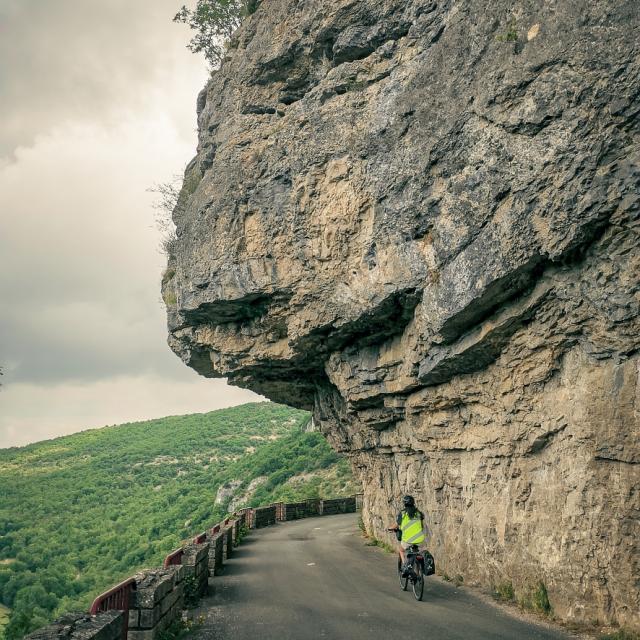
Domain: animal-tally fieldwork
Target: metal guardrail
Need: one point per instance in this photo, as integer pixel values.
(175, 557)
(119, 598)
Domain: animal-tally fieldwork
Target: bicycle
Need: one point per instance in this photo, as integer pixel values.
(415, 574)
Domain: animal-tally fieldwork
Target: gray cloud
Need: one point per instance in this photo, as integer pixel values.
(73, 60)
(98, 105)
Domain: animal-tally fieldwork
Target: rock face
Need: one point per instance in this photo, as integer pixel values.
(420, 220)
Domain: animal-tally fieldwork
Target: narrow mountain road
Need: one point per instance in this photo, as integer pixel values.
(316, 579)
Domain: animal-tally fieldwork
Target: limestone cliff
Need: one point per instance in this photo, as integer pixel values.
(420, 220)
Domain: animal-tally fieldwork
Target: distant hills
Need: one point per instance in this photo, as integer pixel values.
(81, 512)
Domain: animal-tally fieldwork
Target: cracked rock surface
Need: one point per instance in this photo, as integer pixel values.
(420, 221)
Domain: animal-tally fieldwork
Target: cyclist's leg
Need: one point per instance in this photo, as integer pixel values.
(407, 559)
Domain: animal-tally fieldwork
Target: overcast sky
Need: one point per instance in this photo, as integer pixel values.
(97, 105)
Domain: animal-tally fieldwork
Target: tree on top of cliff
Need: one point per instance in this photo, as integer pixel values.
(214, 21)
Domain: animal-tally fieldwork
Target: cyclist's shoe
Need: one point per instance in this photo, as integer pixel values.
(406, 570)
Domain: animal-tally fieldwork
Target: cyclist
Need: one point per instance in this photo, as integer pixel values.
(409, 527)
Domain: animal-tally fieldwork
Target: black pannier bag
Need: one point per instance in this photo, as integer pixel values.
(429, 564)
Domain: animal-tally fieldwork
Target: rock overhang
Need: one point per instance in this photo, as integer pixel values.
(413, 225)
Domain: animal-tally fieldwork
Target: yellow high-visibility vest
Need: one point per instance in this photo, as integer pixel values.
(412, 531)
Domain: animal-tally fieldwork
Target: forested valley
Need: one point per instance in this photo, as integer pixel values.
(82, 512)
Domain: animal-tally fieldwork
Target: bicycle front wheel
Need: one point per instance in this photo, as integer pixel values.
(418, 583)
(403, 581)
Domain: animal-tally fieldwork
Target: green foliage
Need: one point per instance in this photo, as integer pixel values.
(191, 595)
(80, 513)
(242, 533)
(537, 599)
(510, 34)
(372, 541)
(294, 468)
(175, 630)
(504, 591)
(214, 21)
(385, 546)
(534, 598)
(4, 618)
(168, 275)
(170, 298)
(620, 634)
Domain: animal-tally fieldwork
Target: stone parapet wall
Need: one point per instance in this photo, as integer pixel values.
(229, 541)
(297, 510)
(157, 603)
(82, 626)
(340, 505)
(216, 553)
(264, 516)
(195, 561)
(310, 508)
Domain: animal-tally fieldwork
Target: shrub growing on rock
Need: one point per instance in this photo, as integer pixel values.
(213, 22)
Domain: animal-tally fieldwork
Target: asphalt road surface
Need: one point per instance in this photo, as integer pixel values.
(316, 579)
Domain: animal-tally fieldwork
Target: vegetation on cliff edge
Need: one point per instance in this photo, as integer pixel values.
(81, 512)
(214, 21)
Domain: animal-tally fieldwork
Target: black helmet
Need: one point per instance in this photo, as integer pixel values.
(408, 501)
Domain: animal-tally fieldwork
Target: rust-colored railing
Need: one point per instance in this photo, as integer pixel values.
(118, 598)
(175, 557)
(199, 539)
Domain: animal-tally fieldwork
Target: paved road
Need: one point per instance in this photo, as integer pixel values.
(316, 579)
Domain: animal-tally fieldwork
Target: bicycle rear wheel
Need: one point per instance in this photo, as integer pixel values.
(403, 581)
(418, 583)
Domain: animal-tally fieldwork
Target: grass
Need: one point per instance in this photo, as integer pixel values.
(175, 630)
(456, 580)
(385, 546)
(537, 599)
(620, 634)
(372, 541)
(510, 35)
(243, 531)
(504, 592)
(170, 298)
(168, 275)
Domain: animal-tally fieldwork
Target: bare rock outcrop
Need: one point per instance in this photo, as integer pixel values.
(420, 220)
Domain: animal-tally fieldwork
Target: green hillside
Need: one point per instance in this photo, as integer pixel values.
(81, 512)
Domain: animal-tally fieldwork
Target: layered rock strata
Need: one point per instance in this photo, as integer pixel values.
(420, 220)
